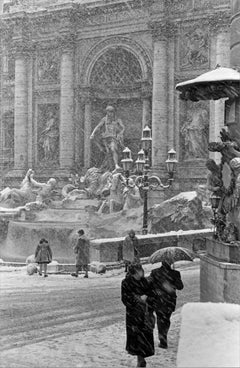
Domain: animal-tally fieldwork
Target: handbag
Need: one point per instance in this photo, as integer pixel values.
(149, 318)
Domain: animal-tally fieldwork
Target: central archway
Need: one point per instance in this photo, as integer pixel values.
(115, 71)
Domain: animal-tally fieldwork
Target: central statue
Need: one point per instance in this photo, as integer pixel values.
(108, 135)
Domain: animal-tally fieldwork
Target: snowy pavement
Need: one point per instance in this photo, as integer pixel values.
(65, 322)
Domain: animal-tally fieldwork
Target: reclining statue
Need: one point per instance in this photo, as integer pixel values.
(19, 196)
(29, 193)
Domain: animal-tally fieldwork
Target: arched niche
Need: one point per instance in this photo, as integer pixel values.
(117, 72)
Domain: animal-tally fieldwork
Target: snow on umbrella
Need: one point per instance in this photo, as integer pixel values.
(171, 255)
(218, 83)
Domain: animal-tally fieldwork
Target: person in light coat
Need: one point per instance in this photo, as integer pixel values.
(81, 250)
(130, 252)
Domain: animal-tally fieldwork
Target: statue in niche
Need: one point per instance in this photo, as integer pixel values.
(108, 136)
(194, 133)
(49, 138)
(194, 48)
(48, 67)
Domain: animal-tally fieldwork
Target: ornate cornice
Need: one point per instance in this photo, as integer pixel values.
(218, 21)
(163, 30)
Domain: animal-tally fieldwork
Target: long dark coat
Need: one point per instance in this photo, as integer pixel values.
(165, 281)
(130, 249)
(81, 250)
(139, 328)
(43, 253)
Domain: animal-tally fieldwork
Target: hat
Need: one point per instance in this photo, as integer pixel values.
(110, 108)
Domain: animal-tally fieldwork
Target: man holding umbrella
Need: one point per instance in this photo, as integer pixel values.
(165, 281)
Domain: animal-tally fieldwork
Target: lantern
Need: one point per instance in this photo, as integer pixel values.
(140, 162)
(215, 200)
(127, 159)
(146, 138)
(171, 162)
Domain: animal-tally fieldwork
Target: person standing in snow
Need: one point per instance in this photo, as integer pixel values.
(130, 249)
(43, 256)
(165, 281)
(138, 298)
(81, 250)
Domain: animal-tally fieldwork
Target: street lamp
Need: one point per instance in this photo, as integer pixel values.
(144, 181)
(127, 162)
(215, 200)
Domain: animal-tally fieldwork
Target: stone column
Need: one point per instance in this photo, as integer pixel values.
(146, 103)
(21, 112)
(146, 111)
(87, 132)
(220, 48)
(171, 92)
(66, 143)
(160, 96)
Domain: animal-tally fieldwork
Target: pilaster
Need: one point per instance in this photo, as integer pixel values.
(66, 154)
(161, 31)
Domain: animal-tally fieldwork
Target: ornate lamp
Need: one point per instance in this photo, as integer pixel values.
(171, 163)
(146, 138)
(215, 200)
(127, 160)
(140, 162)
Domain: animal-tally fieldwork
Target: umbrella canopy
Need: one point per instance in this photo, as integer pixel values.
(218, 83)
(171, 255)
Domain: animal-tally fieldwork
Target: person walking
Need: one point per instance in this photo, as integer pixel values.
(130, 252)
(81, 250)
(43, 256)
(137, 296)
(165, 281)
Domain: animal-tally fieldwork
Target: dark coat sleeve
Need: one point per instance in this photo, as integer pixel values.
(37, 250)
(177, 280)
(129, 298)
(136, 247)
(50, 252)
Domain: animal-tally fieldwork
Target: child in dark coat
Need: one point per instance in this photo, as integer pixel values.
(43, 256)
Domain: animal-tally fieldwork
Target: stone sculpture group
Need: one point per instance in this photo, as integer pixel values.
(224, 183)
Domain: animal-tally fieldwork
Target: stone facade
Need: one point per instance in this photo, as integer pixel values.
(62, 63)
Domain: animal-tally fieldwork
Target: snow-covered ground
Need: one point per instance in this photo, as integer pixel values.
(209, 336)
(75, 336)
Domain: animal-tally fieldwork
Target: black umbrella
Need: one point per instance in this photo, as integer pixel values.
(171, 255)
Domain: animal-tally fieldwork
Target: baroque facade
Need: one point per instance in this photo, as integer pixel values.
(63, 62)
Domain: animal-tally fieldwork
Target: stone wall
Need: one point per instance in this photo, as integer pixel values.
(219, 282)
(109, 250)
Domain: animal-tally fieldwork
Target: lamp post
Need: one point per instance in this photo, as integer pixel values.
(143, 180)
(215, 200)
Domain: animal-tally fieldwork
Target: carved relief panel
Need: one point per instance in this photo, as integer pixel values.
(48, 134)
(194, 48)
(48, 66)
(194, 130)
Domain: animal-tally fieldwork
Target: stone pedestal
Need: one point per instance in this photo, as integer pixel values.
(220, 272)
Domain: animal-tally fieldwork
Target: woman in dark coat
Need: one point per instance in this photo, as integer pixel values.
(43, 256)
(137, 297)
